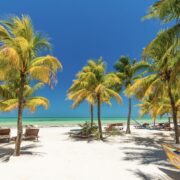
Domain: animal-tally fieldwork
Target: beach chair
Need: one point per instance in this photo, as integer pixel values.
(173, 154)
(163, 126)
(137, 125)
(31, 134)
(5, 134)
(167, 127)
(74, 132)
(114, 126)
(141, 126)
(78, 133)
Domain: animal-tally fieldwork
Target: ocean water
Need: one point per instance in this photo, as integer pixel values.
(60, 121)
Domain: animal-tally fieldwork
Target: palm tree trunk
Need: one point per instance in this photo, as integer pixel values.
(128, 131)
(174, 114)
(99, 116)
(169, 119)
(92, 114)
(20, 112)
(154, 122)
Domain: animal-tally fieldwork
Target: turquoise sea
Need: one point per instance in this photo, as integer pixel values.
(60, 121)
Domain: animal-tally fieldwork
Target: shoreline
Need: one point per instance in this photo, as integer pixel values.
(66, 122)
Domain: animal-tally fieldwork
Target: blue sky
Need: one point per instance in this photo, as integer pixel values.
(84, 29)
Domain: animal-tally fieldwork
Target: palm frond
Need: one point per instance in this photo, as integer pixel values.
(166, 10)
(33, 103)
(8, 105)
(49, 61)
(41, 73)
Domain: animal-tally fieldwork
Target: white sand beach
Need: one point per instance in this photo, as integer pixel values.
(58, 157)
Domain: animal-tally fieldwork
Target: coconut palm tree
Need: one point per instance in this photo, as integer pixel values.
(158, 106)
(127, 71)
(106, 89)
(19, 55)
(164, 54)
(165, 49)
(82, 90)
(96, 86)
(149, 106)
(104, 86)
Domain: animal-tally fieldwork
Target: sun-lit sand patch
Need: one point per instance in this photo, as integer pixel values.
(56, 156)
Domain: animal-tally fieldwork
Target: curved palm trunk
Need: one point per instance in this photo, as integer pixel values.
(128, 131)
(20, 112)
(92, 114)
(99, 116)
(174, 114)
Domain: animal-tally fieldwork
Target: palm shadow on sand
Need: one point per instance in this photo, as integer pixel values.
(7, 152)
(151, 153)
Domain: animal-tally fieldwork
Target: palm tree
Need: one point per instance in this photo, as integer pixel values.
(151, 106)
(81, 90)
(127, 72)
(104, 86)
(95, 86)
(165, 70)
(20, 47)
(165, 49)
(158, 106)
(148, 106)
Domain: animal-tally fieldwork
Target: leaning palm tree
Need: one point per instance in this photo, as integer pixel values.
(165, 49)
(164, 54)
(19, 55)
(127, 71)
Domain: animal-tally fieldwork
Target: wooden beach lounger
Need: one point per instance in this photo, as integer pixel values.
(173, 154)
(77, 133)
(31, 134)
(163, 126)
(5, 134)
(117, 126)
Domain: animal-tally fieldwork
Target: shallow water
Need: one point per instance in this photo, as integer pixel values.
(59, 121)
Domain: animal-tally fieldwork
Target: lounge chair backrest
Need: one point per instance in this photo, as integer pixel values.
(119, 124)
(5, 131)
(113, 125)
(31, 132)
(166, 125)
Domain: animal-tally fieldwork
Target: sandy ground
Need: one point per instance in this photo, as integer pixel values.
(58, 157)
